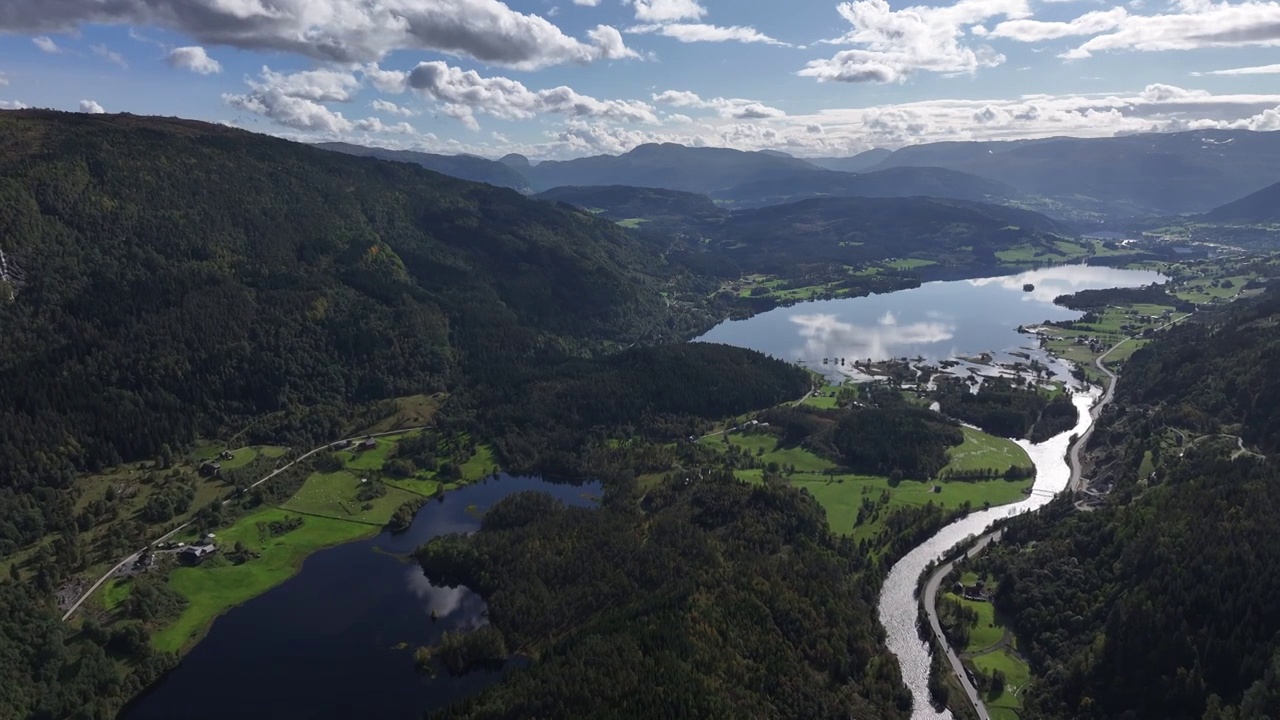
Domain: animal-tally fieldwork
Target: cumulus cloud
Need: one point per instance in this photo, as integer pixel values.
(391, 108)
(387, 81)
(337, 30)
(1090, 23)
(296, 101)
(91, 107)
(465, 93)
(319, 85)
(610, 43)
(890, 45)
(1256, 70)
(13, 105)
(735, 108)
(698, 32)
(1194, 24)
(46, 44)
(193, 58)
(662, 11)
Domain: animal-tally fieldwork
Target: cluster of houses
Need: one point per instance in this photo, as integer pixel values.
(213, 468)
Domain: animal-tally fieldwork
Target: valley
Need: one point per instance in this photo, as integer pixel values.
(692, 445)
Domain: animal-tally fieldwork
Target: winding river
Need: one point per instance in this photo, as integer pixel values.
(939, 321)
(898, 606)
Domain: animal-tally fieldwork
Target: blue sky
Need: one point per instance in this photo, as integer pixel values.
(561, 78)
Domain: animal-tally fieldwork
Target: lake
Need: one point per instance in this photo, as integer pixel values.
(937, 321)
(323, 645)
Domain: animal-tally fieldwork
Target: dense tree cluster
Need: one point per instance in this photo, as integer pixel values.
(893, 439)
(1147, 295)
(1005, 408)
(180, 278)
(711, 599)
(1163, 602)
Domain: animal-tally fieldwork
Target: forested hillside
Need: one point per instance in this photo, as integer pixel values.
(1260, 207)
(890, 182)
(1162, 603)
(712, 599)
(856, 229)
(620, 202)
(463, 167)
(172, 279)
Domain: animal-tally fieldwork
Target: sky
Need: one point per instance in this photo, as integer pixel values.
(567, 78)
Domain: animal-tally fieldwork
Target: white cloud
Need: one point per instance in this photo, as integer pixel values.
(91, 107)
(292, 112)
(1200, 24)
(319, 85)
(109, 55)
(586, 3)
(13, 105)
(467, 92)
(734, 108)
(662, 11)
(387, 81)
(296, 101)
(1256, 70)
(195, 59)
(1090, 23)
(46, 44)
(338, 30)
(893, 44)
(609, 40)
(697, 32)
(391, 108)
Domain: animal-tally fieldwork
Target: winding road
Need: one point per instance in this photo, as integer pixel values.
(134, 557)
(1076, 463)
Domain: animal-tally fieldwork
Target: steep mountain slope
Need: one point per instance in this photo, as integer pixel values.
(465, 167)
(675, 167)
(619, 202)
(891, 182)
(1260, 207)
(857, 163)
(1162, 173)
(852, 230)
(180, 276)
(1163, 602)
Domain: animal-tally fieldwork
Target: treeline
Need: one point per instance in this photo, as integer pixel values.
(712, 599)
(1162, 603)
(182, 279)
(49, 671)
(894, 440)
(1152, 294)
(1005, 408)
(1215, 373)
(1164, 608)
(546, 419)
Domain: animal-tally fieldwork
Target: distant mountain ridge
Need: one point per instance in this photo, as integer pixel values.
(855, 163)
(670, 166)
(1260, 207)
(463, 167)
(621, 202)
(1157, 173)
(892, 182)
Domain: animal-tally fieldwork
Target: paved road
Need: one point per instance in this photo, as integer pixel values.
(931, 609)
(134, 557)
(935, 580)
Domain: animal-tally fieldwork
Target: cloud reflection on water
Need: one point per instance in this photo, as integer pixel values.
(1062, 280)
(825, 335)
(446, 601)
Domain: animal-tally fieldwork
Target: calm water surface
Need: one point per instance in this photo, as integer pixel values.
(938, 320)
(322, 645)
